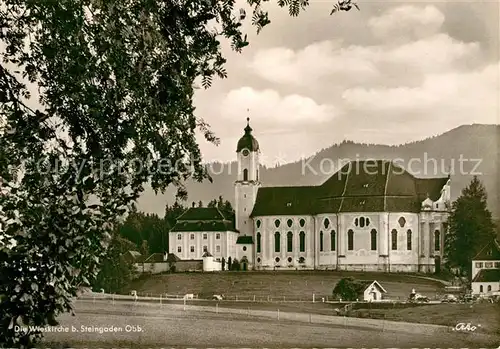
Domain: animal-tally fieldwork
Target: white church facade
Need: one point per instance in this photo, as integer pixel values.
(370, 216)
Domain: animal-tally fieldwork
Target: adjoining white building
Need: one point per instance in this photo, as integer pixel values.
(370, 215)
(486, 270)
(203, 229)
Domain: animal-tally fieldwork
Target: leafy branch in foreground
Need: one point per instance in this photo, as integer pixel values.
(115, 81)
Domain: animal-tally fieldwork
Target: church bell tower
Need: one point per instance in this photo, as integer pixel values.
(247, 182)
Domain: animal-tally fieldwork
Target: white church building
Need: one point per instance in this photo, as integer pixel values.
(370, 215)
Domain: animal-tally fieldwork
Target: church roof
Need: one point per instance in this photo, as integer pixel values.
(172, 258)
(155, 258)
(359, 186)
(201, 213)
(490, 252)
(487, 275)
(247, 141)
(245, 240)
(203, 219)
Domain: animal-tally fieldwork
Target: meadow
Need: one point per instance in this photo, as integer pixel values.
(170, 325)
(290, 285)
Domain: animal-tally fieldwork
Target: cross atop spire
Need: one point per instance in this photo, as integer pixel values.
(248, 129)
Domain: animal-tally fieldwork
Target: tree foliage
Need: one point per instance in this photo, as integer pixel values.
(470, 227)
(140, 227)
(115, 272)
(172, 213)
(115, 81)
(235, 265)
(221, 204)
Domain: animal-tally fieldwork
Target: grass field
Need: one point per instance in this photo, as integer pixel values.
(292, 284)
(486, 315)
(171, 326)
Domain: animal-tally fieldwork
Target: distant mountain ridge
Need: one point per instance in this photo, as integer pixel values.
(462, 152)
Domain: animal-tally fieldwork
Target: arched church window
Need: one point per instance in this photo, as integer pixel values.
(258, 223)
(302, 238)
(258, 242)
(408, 240)
(402, 222)
(277, 223)
(289, 223)
(394, 239)
(437, 240)
(481, 288)
(373, 240)
(245, 175)
(326, 223)
(350, 240)
(289, 241)
(362, 222)
(333, 239)
(302, 222)
(277, 242)
(321, 241)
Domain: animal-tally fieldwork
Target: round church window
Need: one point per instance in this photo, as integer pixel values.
(244, 248)
(402, 222)
(258, 260)
(277, 223)
(277, 259)
(302, 222)
(289, 223)
(245, 152)
(289, 259)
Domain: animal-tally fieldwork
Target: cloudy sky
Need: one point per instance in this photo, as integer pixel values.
(391, 73)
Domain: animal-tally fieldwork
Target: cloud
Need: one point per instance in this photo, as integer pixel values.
(312, 63)
(329, 63)
(460, 97)
(268, 106)
(407, 22)
(434, 53)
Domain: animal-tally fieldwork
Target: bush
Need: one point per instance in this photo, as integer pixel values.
(347, 289)
(235, 265)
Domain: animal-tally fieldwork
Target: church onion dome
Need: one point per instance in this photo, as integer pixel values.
(247, 141)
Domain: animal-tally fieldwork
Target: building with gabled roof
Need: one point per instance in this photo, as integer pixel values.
(370, 290)
(486, 269)
(133, 257)
(202, 229)
(369, 215)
